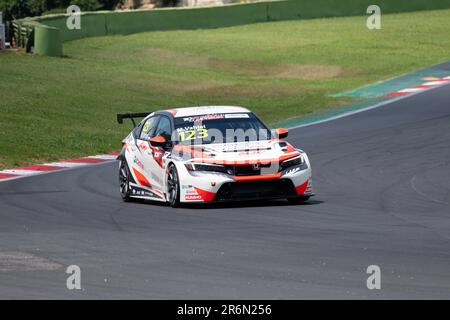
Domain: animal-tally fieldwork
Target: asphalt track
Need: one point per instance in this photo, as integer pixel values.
(382, 179)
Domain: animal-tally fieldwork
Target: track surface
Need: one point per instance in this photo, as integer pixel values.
(382, 179)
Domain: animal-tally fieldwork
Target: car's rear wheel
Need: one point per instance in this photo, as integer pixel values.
(298, 200)
(124, 181)
(173, 186)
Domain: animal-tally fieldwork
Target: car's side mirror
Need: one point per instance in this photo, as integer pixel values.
(281, 133)
(158, 141)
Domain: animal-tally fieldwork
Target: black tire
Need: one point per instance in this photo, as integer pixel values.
(298, 200)
(124, 181)
(173, 187)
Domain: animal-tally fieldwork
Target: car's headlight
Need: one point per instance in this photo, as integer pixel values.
(205, 167)
(293, 162)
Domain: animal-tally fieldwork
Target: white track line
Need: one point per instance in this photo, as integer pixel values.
(21, 172)
(411, 90)
(104, 157)
(66, 164)
(434, 83)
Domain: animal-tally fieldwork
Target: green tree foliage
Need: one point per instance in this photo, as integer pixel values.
(16, 9)
(169, 3)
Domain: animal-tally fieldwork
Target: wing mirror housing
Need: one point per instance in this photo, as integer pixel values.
(281, 133)
(158, 141)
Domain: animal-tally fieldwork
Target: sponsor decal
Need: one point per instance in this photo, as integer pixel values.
(136, 192)
(236, 115)
(250, 153)
(204, 117)
(143, 146)
(138, 163)
(190, 191)
(248, 146)
(140, 192)
(156, 178)
(192, 197)
(147, 127)
(292, 171)
(199, 133)
(158, 155)
(185, 128)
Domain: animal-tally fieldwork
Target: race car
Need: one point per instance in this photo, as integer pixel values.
(209, 154)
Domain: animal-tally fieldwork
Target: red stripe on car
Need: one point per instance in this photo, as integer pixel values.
(206, 195)
(302, 188)
(141, 179)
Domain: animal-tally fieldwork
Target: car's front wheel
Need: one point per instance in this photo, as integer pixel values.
(124, 181)
(173, 186)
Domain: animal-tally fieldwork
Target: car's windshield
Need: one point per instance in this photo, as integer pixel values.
(220, 128)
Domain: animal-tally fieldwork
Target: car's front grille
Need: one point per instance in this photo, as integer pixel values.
(248, 170)
(248, 190)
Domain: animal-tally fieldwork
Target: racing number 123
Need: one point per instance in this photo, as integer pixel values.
(193, 134)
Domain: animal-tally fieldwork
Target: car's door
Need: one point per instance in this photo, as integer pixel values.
(163, 129)
(142, 158)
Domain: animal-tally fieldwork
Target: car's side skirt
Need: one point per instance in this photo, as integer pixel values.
(140, 192)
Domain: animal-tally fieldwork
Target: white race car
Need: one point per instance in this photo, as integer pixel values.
(210, 154)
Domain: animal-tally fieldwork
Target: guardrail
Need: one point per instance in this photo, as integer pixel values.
(23, 34)
(50, 31)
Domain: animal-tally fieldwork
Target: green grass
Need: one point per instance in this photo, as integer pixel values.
(54, 108)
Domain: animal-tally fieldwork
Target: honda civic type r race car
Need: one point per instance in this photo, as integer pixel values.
(210, 154)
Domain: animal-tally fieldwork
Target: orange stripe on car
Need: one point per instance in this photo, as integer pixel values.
(171, 111)
(258, 177)
(141, 179)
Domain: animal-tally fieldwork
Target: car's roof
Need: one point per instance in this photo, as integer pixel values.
(193, 111)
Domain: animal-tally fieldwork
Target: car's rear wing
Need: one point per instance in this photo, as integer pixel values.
(131, 116)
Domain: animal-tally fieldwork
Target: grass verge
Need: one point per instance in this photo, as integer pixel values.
(55, 108)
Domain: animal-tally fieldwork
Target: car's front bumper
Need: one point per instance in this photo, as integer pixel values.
(213, 187)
